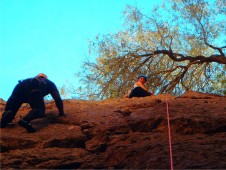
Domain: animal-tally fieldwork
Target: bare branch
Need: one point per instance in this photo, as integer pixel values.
(221, 59)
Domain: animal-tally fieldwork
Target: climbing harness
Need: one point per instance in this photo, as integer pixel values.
(169, 134)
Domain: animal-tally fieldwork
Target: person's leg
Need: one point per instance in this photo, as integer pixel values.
(12, 106)
(37, 104)
(38, 110)
(138, 92)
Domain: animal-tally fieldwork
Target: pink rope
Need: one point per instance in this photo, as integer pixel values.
(170, 143)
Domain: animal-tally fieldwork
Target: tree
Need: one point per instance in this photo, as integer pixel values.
(179, 45)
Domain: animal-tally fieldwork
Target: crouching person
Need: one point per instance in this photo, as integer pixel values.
(32, 91)
(139, 90)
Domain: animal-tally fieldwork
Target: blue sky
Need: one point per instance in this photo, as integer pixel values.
(51, 36)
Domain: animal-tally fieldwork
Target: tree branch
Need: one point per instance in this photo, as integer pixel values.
(221, 59)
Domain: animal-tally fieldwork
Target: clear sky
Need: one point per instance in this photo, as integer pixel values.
(51, 36)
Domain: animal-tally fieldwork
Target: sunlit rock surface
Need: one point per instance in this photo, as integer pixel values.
(121, 134)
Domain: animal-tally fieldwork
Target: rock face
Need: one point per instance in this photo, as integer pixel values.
(121, 134)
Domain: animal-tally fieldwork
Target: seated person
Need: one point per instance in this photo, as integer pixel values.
(139, 90)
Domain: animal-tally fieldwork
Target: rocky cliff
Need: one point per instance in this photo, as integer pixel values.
(121, 134)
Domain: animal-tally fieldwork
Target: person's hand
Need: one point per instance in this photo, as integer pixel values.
(62, 114)
(150, 93)
(126, 96)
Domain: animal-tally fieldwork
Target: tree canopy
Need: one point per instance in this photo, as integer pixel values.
(180, 45)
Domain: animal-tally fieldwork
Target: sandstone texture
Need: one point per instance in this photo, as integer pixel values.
(121, 134)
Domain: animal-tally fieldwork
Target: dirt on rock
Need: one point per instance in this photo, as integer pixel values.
(121, 134)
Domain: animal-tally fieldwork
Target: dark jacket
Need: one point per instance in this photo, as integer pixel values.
(25, 87)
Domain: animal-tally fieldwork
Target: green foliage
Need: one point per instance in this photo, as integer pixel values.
(219, 84)
(183, 28)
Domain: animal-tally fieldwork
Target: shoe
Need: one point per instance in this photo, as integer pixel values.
(27, 126)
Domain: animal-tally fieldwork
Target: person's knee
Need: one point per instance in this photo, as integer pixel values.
(7, 117)
(39, 112)
(34, 114)
(36, 100)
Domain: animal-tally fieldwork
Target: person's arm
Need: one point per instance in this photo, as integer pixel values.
(127, 95)
(59, 103)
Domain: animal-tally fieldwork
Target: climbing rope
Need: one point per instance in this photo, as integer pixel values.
(169, 134)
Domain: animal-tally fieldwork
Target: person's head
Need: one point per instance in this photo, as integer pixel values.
(42, 75)
(142, 78)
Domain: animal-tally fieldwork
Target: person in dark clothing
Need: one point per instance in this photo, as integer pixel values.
(31, 91)
(139, 90)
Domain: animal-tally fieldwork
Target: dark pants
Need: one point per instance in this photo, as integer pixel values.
(20, 96)
(138, 92)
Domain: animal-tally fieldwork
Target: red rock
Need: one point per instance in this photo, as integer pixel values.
(122, 134)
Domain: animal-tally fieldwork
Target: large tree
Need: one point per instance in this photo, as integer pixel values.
(179, 45)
